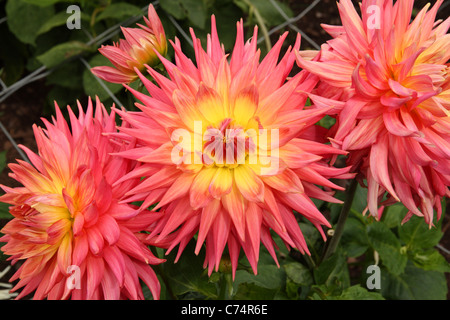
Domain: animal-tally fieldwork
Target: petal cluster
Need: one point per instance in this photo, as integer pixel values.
(229, 151)
(137, 49)
(71, 235)
(388, 76)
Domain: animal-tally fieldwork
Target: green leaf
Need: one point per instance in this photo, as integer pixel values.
(384, 241)
(13, 56)
(59, 76)
(327, 121)
(354, 238)
(57, 20)
(62, 52)
(417, 234)
(4, 211)
(269, 277)
(250, 291)
(226, 22)
(292, 290)
(414, 284)
(299, 274)
(265, 285)
(63, 96)
(333, 270)
(268, 12)
(91, 85)
(196, 12)
(393, 215)
(360, 200)
(25, 19)
(174, 8)
(324, 292)
(119, 11)
(187, 274)
(430, 259)
(310, 233)
(45, 3)
(357, 292)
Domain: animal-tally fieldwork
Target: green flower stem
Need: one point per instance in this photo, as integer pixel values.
(226, 286)
(350, 192)
(310, 261)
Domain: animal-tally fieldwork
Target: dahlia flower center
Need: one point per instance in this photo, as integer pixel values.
(228, 145)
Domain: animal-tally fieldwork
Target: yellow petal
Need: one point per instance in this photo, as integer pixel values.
(245, 105)
(211, 105)
(65, 253)
(222, 182)
(199, 195)
(187, 109)
(248, 183)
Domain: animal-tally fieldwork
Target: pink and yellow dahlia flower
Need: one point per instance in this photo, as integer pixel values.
(135, 51)
(228, 150)
(390, 78)
(71, 234)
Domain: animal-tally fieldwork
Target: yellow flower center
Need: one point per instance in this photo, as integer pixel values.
(227, 146)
